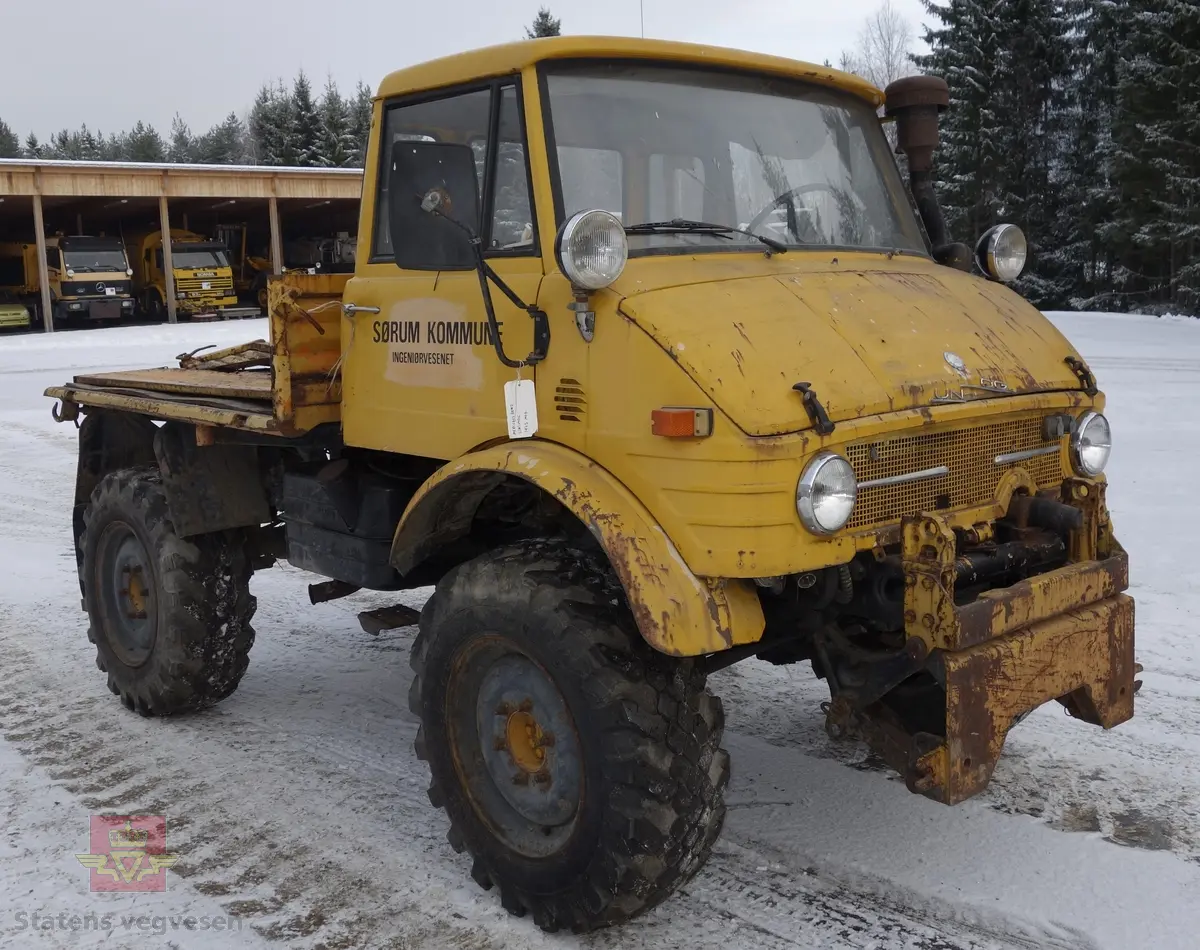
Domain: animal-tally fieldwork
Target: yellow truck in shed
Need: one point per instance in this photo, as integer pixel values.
(89, 277)
(203, 276)
(650, 363)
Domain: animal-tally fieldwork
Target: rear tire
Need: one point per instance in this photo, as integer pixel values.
(259, 289)
(170, 617)
(622, 803)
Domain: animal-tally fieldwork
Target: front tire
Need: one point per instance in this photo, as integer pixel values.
(170, 617)
(153, 304)
(581, 769)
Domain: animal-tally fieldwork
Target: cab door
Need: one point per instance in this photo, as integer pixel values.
(421, 375)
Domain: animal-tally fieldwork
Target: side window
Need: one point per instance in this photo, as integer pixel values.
(462, 119)
(158, 258)
(512, 217)
(52, 256)
(591, 178)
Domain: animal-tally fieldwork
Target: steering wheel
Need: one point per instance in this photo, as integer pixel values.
(759, 218)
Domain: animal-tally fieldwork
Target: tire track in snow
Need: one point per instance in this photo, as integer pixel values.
(313, 842)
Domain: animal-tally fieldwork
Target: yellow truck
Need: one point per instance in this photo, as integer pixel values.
(203, 276)
(89, 277)
(631, 442)
(333, 255)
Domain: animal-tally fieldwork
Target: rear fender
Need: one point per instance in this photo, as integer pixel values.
(677, 612)
(108, 441)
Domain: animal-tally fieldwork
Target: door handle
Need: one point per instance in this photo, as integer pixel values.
(350, 309)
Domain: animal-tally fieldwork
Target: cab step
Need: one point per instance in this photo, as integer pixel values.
(376, 621)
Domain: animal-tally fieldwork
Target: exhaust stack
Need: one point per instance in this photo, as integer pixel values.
(915, 103)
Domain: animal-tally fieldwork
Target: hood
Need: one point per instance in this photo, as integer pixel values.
(868, 341)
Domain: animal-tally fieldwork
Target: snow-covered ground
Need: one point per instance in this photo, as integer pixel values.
(298, 808)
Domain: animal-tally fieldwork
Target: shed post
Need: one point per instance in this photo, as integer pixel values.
(164, 224)
(276, 241)
(39, 230)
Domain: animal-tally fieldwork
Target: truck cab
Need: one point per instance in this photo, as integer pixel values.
(203, 277)
(651, 362)
(89, 277)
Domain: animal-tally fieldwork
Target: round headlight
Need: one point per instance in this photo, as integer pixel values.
(1091, 444)
(592, 249)
(826, 494)
(1001, 252)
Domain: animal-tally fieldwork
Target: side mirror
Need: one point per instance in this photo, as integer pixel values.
(433, 205)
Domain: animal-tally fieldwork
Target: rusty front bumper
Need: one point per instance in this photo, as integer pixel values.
(1082, 658)
(1065, 635)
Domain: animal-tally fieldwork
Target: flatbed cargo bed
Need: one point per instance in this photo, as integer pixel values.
(285, 387)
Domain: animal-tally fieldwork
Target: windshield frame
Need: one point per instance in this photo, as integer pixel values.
(889, 169)
(68, 252)
(208, 248)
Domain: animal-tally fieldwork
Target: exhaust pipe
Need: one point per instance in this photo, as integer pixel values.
(915, 103)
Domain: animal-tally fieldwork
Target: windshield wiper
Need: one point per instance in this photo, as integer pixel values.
(687, 226)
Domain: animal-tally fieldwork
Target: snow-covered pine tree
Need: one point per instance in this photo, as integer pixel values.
(1183, 171)
(90, 144)
(182, 147)
(33, 147)
(337, 144)
(305, 124)
(1155, 172)
(113, 148)
(263, 134)
(1088, 196)
(1029, 100)
(10, 145)
(60, 146)
(144, 144)
(543, 25)
(224, 143)
(360, 123)
(963, 51)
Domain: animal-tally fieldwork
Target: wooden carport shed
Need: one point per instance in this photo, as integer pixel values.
(112, 195)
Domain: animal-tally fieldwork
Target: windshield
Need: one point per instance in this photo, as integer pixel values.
(191, 258)
(804, 165)
(92, 262)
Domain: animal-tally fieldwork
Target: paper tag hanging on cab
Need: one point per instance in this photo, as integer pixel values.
(520, 401)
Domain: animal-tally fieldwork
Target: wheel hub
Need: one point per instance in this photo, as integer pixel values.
(528, 742)
(135, 592)
(124, 585)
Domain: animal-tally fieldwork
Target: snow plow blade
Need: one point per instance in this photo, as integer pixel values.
(1083, 658)
(1064, 635)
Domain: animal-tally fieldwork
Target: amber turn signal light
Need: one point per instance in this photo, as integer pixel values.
(682, 423)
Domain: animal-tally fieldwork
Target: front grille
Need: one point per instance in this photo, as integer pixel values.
(92, 288)
(222, 286)
(968, 453)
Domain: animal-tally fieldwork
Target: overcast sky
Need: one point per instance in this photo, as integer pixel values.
(112, 63)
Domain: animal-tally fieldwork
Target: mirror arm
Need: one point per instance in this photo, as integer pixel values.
(541, 323)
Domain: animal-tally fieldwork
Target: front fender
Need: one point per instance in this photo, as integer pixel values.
(677, 612)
